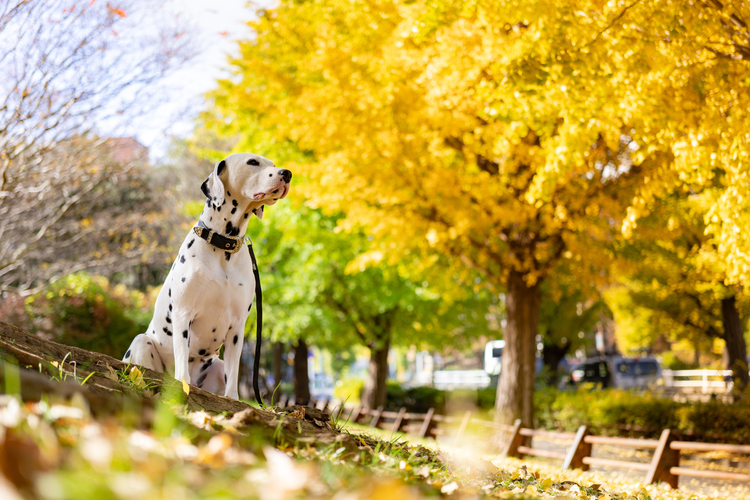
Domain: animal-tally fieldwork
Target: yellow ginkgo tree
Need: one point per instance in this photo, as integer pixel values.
(672, 278)
(507, 135)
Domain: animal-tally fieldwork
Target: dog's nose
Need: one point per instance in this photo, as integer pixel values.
(286, 175)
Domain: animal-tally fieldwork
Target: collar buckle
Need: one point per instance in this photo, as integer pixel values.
(234, 246)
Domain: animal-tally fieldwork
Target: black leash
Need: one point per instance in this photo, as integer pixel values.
(258, 325)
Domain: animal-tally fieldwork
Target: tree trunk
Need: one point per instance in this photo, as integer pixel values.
(736, 346)
(374, 393)
(245, 377)
(278, 352)
(697, 355)
(301, 377)
(515, 388)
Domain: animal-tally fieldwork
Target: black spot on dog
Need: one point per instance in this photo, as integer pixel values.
(218, 209)
(249, 307)
(214, 329)
(204, 188)
(193, 255)
(229, 194)
(214, 340)
(152, 355)
(202, 352)
(220, 167)
(234, 202)
(166, 330)
(183, 279)
(201, 379)
(184, 334)
(210, 219)
(234, 210)
(182, 259)
(231, 230)
(240, 284)
(227, 256)
(225, 378)
(208, 363)
(191, 242)
(246, 215)
(127, 354)
(169, 320)
(190, 360)
(229, 329)
(170, 307)
(234, 340)
(170, 293)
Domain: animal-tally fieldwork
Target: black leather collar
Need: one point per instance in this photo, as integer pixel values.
(227, 243)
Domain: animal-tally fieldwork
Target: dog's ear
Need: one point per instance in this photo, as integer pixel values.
(213, 187)
(258, 212)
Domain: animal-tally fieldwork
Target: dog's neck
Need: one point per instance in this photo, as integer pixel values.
(231, 218)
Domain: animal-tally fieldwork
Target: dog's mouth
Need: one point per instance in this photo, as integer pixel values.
(284, 188)
(277, 194)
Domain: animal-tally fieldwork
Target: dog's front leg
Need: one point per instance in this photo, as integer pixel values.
(181, 346)
(232, 353)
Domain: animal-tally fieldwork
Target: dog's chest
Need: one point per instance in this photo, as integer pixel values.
(220, 315)
(213, 294)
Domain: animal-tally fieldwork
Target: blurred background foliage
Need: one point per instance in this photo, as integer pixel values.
(588, 160)
(84, 311)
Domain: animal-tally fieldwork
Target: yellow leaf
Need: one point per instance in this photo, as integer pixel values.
(136, 377)
(185, 387)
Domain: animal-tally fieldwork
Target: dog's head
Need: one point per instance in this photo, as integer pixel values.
(248, 176)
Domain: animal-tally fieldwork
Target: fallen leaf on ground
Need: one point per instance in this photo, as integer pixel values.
(449, 488)
(136, 377)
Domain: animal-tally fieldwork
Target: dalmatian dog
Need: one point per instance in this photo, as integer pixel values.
(210, 289)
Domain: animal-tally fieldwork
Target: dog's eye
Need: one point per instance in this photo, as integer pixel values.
(253, 161)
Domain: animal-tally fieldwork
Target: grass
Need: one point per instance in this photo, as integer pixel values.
(194, 455)
(56, 371)
(68, 454)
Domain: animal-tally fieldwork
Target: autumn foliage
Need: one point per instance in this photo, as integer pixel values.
(511, 136)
